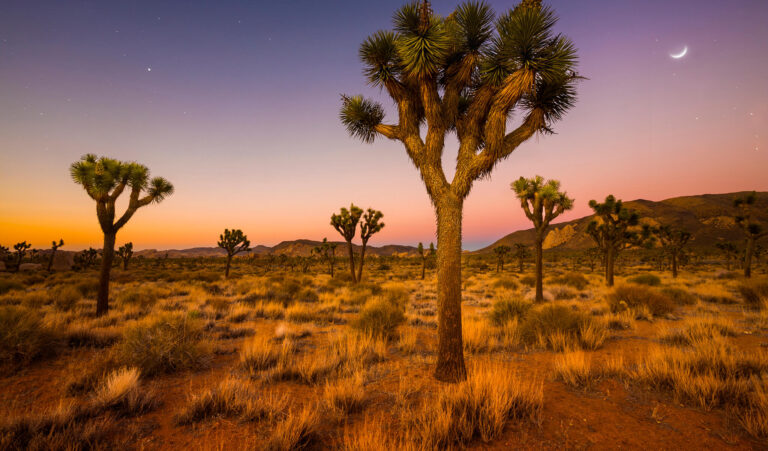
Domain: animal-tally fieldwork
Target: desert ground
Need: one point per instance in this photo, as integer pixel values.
(271, 358)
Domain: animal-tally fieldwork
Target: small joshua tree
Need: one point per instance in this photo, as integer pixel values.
(86, 258)
(501, 252)
(54, 247)
(542, 202)
(369, 226)
(327, 252)
(752, 229)
(673, 242)
(521, 254)
(465, 74)
(346, 224)
(124, 253)
(105, 179)
(730, 251)
(613, 231)
(19, 251)
(233, 241)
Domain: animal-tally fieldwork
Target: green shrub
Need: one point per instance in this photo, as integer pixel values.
(507, 309)
(634, 296)
(22, 335)
(164, 343)
(680, 296)
(507, 283)
(573, 280)
(652, 280)
(380, 317)
(8, 285)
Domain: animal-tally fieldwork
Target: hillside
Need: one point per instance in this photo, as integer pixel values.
(709, 217)
(300, 247)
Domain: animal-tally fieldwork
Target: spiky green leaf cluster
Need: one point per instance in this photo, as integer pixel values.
(346, 221)
(234, 241)
(361, 116)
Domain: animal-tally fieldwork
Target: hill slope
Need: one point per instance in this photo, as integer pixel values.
(709, 217)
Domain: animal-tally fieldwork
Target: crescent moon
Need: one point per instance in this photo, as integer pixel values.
(677, 56)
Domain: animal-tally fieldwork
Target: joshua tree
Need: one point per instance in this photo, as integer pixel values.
(521, 254)
(501, 252)
(542, 202)
(730, 251)
(233, 241)
(19, 251)
(467, 74)
(369, 226)
(327, 252)
(346, 224)
(613, 231)
(54, 247)
(86, 258)
(752, 229)
(105, 179)
(124, 253)
(673, 242)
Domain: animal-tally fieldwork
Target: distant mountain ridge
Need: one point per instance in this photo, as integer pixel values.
(709, 218)
(301, 247)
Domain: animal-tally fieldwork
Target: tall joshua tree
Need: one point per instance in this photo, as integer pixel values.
(346, 224)
(521, 254)
(19, 251)
(752, 229)
(369, 226)
(105, 179)
(425, 254)
(124, 253)
(327, 252)
(465, 73)
(673, 242)
(501, 252)
(542, 202)
(54, 246)
(613, 231)
(233, 241)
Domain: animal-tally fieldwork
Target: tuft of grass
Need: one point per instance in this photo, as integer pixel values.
(505, 283)
(65, 297)
(572, 279)
(232, 398)
(164, 343)
(507, 309)
(651, 280)
(680, 296)
(347, 395)
(575, 370)
(528, 280)
(69, 427)
(299, 430)
(9, 285)
(698, 329)
(478, 407)
(261, 353)
(380, 317)
(635, 296)
(121, 392)
(22, 336)
(754, 293)
(560, 328)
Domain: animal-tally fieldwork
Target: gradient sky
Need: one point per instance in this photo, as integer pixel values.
(240, 112)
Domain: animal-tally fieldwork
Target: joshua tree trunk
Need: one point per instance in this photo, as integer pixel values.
(362, 261)
(450, 348)
(107, 257)
(229, 263)
(423, 267)
(50, 262)
(748, 257)
(539, 267)
(609, 260)
(674, 265)
(351, 261)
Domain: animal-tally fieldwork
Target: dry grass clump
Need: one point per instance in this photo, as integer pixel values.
(507, 309)
(575, 369)
(372, 437)
(408, 341)
(232, 398)
(23, 337)
(7, 285)
(121, 392)
(164, 343)
(619, 321)
(715, 292)
(239, 313)
(299, 430)
(346, 395)
(305, 313)
(478, 336)
(754, 293)
(142, 296)
(505, 283)
(380, 317)
(680, 296)
(697, 329)
(561, 328)
(572, 279)
(633, 297)
(79, 336)
(261, 353)
(268, 310)
(65, 297)
(754, 418)
(478, 407)
(652, 280)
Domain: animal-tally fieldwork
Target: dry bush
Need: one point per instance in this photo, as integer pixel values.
(164, 343)
(652, 280)
(298, 430)
(121, 392)
(23, 337)
(697, 329)
(754, 293)
(239, 313)
(380, 317)
(85, 376)
(508, 309)
(626, 297)
(231, 398)
(371, 437)
(680, 296)
(563, 293)
(575, 369)
(268, 310)
(572, 279)
(716, 293)
(478, 407)
(505, 283)
(346, 395)
(79, 335)
(65, 297)
(754, 417)
(261, 353)
(315, 313)
(561, 328)
(620, 320)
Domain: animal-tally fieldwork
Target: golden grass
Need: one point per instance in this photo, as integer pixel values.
(121, 391)
(232, 398)
(346, 395)
(298, 430)
(575, 369)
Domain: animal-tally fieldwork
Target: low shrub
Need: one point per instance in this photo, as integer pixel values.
(561, 328)
(22, 336)
(380, 317)
(66, 297)
(299, 430)
(121, 392)
(680, 296)
(506, 283)
(634, 296)
(507, 309)
(529, 281)
(652, 280)
(572, 279)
